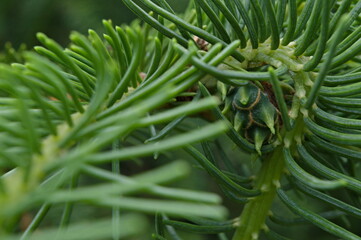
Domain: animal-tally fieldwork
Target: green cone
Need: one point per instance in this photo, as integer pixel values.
(252, 113)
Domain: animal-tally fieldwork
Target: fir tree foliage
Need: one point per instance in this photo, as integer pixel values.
(286, 76)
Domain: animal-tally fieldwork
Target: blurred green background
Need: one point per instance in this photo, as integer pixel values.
(20, 20)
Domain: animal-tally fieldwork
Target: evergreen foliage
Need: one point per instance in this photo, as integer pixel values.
(285, 75)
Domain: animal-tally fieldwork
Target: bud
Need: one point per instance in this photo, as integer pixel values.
(246, 97)
(265, 114)
(259, 136)
(241, 120)
(252, 113)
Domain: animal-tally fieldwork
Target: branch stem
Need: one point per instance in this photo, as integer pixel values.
(255, 212)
